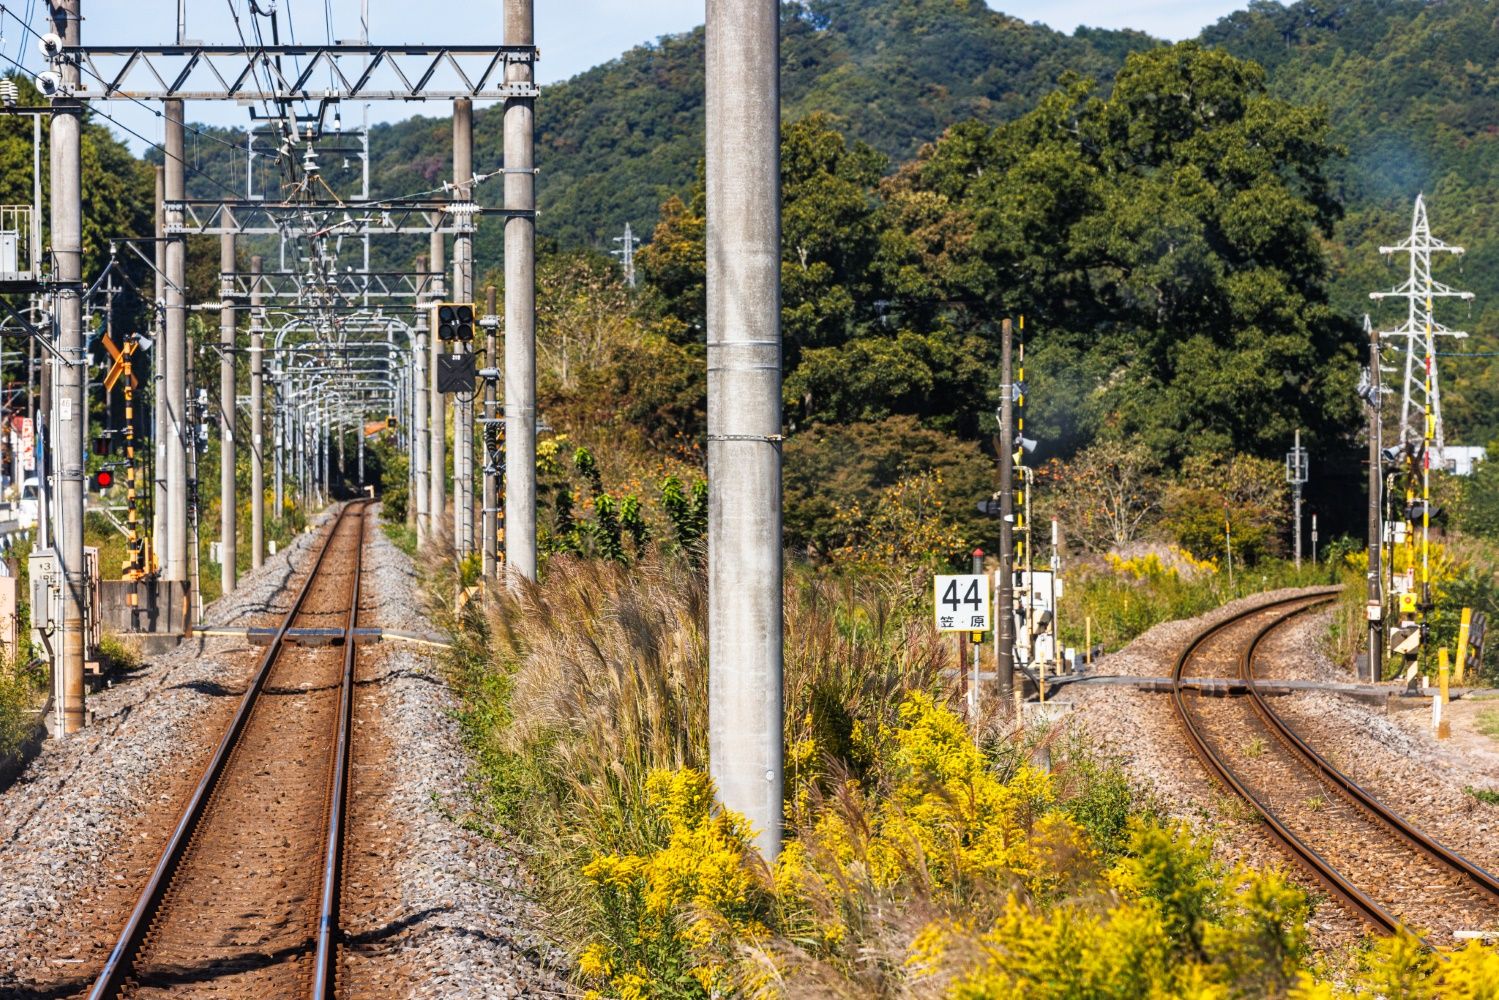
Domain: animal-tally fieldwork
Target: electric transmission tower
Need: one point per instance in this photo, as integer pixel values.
(626, 254)
(1421, 397)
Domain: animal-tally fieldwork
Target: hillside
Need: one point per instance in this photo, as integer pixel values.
(1413, 94)
(1409, 87)
(615, 141)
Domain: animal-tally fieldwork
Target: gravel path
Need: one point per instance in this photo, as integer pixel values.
(463, 924)
(82, 827)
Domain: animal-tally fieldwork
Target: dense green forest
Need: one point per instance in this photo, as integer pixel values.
(978, 165)
(1412, 90)
(1409, 87)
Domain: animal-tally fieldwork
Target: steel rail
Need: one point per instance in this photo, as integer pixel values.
(1402, 827)
(325, 957)
(1319, 867)
(121, 957)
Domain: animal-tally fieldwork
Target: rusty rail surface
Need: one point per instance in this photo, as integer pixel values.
(1319, 867)
(119, 966)
(1356, 793)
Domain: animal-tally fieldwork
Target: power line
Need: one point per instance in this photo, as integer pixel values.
(155, 111)
(155, 145)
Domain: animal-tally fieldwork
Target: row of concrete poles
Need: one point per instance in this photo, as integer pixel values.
(744, 385)
(303, 422)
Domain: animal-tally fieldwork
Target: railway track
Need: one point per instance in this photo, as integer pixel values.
(244, 900)
(1382, 868)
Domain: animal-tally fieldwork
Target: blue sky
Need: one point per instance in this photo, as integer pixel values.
(573, 34)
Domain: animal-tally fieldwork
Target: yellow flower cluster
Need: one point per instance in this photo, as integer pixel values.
(682, 910)
(946, 820)
(1150, 565)
(1173, 926)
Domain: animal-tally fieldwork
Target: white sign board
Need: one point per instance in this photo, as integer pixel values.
(962, 603)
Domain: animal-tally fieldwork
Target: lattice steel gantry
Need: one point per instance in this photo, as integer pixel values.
(1421, 392)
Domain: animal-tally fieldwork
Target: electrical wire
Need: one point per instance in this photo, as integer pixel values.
(156, 145)
(155, 111)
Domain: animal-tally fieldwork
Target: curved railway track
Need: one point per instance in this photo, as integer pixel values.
(1385, 870)
(244, 899)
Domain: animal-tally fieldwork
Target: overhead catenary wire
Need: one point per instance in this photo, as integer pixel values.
(5, 10)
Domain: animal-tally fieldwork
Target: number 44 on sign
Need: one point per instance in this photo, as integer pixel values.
(962, 603)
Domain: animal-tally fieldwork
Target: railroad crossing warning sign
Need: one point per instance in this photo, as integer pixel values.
(121, 364)
(962, 603)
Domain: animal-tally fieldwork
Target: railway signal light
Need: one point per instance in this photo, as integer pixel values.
(454, 321)
(103, 480)
(1416, 508)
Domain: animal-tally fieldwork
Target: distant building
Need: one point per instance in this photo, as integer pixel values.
(1459, 459)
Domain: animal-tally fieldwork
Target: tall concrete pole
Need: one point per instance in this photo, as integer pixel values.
(490, 514)
(176, 567)
(520, 302)
(257, 416)
(1375, 608)
(438, 429)
(279, 448)
(463, 291)
(1296, 492)
(744, 412)
(67, 253)
(159, 419)
(1006, 645)
(228, 520)
(421, 447)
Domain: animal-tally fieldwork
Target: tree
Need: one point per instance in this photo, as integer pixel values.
(1245, 493)
(1104, 496)
(841, 467)
(1169, 234)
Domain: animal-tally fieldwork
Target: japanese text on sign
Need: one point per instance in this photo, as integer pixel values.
(962, 603)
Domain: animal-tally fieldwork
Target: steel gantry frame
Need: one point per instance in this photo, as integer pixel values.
(322, 305)
(197, 72)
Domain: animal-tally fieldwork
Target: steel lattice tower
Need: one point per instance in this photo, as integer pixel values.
(1421, 393)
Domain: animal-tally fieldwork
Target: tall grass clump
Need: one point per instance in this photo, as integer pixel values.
(19, 689)
(925, 855)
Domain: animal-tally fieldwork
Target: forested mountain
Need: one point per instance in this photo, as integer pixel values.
(1412, 90)
(617, 140)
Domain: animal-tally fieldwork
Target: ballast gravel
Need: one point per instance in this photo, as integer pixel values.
(82, 826)
(1388, 750)
(464, 922)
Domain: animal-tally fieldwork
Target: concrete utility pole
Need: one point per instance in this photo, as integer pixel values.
(489, 536)
(159, 419)
(1375, 607)
(1296, 475)
(463, 291)
(438, 429)
(744, 412)
(1005, 651)
(520, 305)
(228, 528)
(257, 417)
(420, 446)
(67, 254)
(176, 568)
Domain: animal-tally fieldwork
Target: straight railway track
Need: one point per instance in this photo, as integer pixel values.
(244, 899)
(1385, 870)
